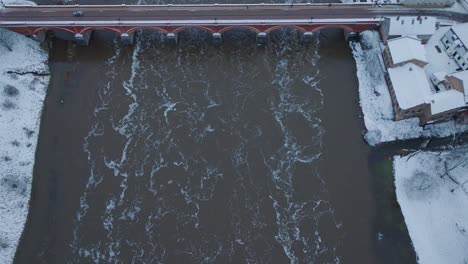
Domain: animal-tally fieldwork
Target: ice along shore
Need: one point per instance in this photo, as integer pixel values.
(23, 86)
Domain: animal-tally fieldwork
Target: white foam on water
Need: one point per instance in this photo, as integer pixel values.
(108, 219)
(130, 213)
(182, 197)
(126, 125)
(96, 177)
(290, 213)
(169, 107)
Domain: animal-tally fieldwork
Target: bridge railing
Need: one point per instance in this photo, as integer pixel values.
(201, 5)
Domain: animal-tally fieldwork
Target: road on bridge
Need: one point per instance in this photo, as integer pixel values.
(42, 15)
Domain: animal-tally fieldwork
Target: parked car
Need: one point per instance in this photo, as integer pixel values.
(77, 13)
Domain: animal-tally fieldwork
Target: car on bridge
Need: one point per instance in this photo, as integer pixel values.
(77, 13)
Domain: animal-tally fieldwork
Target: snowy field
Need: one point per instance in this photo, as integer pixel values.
(18, 2)
(432, 190)
(23, 84)
(372, 1)
(376, 103)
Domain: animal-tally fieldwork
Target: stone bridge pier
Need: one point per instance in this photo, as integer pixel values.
(127, 39)
(82, 39)
(216, 39)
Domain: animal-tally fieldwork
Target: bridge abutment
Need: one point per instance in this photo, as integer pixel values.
(83, 39)
(172, 38)
(351, 36)
(216, 39)
(262, 39)
(127, 39)
(39, 36)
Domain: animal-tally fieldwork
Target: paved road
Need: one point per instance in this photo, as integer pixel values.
(42, 15)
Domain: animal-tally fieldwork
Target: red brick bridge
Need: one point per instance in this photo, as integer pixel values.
(125, 20)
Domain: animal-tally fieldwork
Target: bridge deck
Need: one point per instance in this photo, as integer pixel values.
(36, 21)
(42, 15)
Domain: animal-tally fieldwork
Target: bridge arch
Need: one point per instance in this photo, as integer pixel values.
(159, 29)
(299, 28)
(45, 29)
(338, 26)
(115, 30)
(193, 27)
(229, 28)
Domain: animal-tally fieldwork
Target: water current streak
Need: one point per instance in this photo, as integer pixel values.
(196, 152)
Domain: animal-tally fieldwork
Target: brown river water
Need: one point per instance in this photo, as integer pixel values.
(202, 154)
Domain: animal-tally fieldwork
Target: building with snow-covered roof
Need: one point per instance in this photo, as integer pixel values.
(418, 89)
(455, 42)
(409, 89)
(459, 82)
(413, 95)
(417, 26)
(446, 101)
(450, 97)
(438, 78)
(404, 50)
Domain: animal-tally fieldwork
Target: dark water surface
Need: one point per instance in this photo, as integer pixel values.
(197, 154)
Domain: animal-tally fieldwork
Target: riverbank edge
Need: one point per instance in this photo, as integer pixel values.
(431, 188)
(376, 102)
(22, 59)
(376, 106)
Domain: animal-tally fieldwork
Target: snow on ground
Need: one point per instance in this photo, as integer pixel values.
(21, 99)
(371, 1)
(432, 190)
(18, 2)
(461, 6)
(457, 7)
(376, 103)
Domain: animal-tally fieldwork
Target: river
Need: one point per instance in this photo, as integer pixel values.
(202, 154)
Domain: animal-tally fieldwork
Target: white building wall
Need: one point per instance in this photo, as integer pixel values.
(428, 2)
(455, 49)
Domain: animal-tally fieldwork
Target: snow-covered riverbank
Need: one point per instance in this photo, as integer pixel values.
(432, 190)
(23, 84)
(376, 102)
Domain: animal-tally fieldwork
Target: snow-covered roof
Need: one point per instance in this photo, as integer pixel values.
(411, 26)
(439, 61)
(439, 76)
(410, 85)
(461, 30)
(412, 88)
(406, 48)
(446, 100)
(463, 76)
